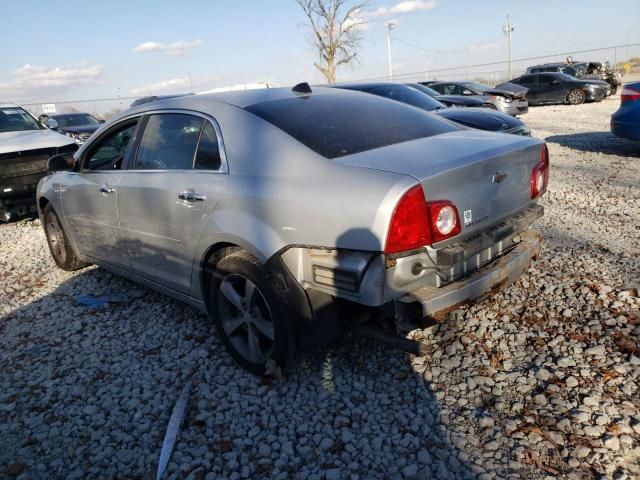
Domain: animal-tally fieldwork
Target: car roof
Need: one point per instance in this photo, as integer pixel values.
(8, 105)
(240, 98)
(360, 85)
(70, 114)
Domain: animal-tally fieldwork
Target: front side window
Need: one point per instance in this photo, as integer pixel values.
(546, 79)
(109, 152)
(169, 142)
(15, 119)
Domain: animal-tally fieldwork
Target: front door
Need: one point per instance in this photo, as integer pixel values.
(167, 194)
(89, 197)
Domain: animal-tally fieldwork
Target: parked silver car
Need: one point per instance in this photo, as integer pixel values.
(509, 99)
(276, 211)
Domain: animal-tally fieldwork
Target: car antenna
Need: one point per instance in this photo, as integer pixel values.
(301, 88)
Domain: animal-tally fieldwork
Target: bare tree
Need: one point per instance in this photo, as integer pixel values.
(337, 32)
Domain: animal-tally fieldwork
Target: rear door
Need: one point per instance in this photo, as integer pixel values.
(167, 193)
(89, 197)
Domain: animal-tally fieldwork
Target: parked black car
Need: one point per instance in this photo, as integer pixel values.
(451, 100)
(560, 88)
(479, 118)
(79, 126)
(592, 71)
(504, 97)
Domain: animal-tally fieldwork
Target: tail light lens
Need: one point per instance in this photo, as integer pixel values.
(445, 222)
(540, 174)
(630, 94)
(409, 227)
(416, 223)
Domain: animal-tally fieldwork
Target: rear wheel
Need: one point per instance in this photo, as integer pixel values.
(251, 315)
(576, 97)
(58, 242)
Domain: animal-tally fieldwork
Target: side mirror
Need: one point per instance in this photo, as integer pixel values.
(555, 81)
(61, 163)
(467, 92)
(101, 121)
(43, 119)
(53, 124)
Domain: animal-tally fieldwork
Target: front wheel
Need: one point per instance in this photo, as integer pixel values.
(58, 242)
(576, 97)
(251, 314)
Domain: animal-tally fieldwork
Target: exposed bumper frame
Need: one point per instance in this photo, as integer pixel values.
(482, 283)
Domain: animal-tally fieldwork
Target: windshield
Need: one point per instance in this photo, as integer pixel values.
(481, 87)
(75, 120)
(408, 95)
(343, 124)
(15, 119)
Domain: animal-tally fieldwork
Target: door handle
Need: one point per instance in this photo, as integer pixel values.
(107, 189)
(190, 196)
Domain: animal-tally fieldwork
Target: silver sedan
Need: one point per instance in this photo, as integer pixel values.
(288, 214)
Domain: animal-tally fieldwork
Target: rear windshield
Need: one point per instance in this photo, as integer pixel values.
(338, 125)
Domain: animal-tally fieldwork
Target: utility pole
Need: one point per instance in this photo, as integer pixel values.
(507, 29)
(390, 26)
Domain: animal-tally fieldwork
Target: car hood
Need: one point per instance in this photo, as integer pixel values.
(81, 128)
(509, 90)
(32, 140)
(460, 100)
(480, 118)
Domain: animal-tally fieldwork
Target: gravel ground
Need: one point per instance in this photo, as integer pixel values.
(541, 381)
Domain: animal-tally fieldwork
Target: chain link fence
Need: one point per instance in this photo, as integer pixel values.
(491, 73)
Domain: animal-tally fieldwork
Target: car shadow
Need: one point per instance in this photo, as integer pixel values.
(88, 393)
(598, 142)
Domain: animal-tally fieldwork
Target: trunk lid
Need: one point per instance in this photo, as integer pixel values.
(486, 175)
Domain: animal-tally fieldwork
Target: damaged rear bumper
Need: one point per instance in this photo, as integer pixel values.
(429, 301)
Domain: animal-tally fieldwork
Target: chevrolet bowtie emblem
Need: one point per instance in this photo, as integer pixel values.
(498, 177)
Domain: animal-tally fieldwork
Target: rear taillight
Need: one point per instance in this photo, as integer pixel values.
(409, 228)
(416, 223)
(630, 94)
(540, 174)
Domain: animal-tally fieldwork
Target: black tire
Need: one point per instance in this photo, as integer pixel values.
(576, 97)
(59, 246)
(234, 269)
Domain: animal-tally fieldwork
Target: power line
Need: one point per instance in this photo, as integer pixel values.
(538, 57)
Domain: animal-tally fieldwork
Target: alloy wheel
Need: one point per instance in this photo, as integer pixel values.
(246, 318)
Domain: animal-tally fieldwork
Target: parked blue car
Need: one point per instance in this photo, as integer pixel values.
(625, 122)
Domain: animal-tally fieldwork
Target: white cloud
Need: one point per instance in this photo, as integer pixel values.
(407, 6)
(29, 80)
(483, 47)
(180, 47)
(172, 85)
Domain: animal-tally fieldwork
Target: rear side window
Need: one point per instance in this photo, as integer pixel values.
(344, 124)
(208, 155)
(169, 142)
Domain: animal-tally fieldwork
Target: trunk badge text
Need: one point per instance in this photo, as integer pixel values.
(498, 177)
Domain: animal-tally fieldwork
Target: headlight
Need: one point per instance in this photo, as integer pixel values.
(507, 99)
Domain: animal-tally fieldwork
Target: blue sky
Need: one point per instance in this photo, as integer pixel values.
(58, 51)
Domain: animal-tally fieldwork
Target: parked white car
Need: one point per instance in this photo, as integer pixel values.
(25, 147)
